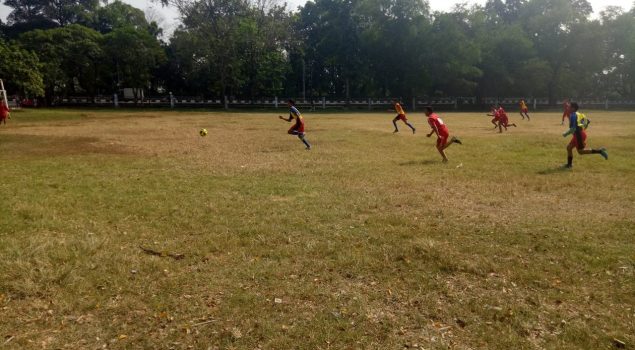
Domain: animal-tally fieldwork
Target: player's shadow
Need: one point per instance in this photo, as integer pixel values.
(554, 170)
(418, 162)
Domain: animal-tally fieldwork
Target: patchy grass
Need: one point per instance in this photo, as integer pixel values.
(365, 242)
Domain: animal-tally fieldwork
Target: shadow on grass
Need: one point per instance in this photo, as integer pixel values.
(554, 170)
(419, 162)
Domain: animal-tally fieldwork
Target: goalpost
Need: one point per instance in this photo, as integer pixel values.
(3, 93)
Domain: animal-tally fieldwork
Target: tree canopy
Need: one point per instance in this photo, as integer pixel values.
(334, 48)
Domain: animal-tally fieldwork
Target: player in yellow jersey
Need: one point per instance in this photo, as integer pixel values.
(401, 115)
(524, 111)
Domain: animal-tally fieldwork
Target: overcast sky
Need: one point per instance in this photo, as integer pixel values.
(168, 17)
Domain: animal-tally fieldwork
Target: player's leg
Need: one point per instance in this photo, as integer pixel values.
(527, 114)
(394, 122)
(304, 140)
(522, 115)
(570, 147)
(494, 121)
(446, 141)
(410, 125)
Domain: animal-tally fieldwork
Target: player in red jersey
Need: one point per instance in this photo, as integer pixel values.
(494, 113)
(503, 121)
(401, 115)
(439, 128)
(566, 110)
(4, 112)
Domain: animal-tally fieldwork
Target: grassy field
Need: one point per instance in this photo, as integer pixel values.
(366, 242)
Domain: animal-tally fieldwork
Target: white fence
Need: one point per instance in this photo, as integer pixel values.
(413, 104)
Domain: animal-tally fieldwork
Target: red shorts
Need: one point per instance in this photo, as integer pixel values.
(442, 139)
(504, 121)
(578, 143)
(298, 127)
(525, 110)
(402, 117)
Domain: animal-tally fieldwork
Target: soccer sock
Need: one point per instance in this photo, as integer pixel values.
(570, 160)
(395, 124)
(306, 143)
(410, 125)
(595, 151)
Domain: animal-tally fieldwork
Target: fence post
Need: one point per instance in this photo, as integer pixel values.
(226, 102)
(606, 104)
(535, 99)
(370, 104)
(456, 103)
(275, 101)
(171, 100)
(323, 102)
(414, 104)
(115, 99)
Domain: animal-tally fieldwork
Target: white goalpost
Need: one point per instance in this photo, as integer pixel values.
(3, 93)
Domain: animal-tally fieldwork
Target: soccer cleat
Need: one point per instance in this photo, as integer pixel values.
(414, 130)
(456, 139)
(604, 153)
(567, 166)
(396, 131)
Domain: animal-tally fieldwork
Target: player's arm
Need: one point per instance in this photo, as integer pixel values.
(433, 131)
(286, 119)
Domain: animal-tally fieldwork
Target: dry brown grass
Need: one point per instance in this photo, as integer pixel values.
(368, 241)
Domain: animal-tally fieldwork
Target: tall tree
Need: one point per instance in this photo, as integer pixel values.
(20, 70)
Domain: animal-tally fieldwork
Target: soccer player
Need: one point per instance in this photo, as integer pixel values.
(400, 115)
(566, 110)
(4, 112)
(524, 111)
(494, 113)
(578, 123)
(298, 127)
(439, 128)
(503, 119)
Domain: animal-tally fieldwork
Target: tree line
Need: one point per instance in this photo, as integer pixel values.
(334, 48)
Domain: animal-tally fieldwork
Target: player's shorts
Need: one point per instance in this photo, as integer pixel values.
(524, 110)
(402, 117)
(442, 139)
(298, 127)
(579, 139)
(504, 121)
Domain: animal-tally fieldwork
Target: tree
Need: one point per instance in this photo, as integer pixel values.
(131, 57)
(20, 70)
(71, 57)
(118, 15)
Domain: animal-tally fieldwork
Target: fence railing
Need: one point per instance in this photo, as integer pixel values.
(414, 104)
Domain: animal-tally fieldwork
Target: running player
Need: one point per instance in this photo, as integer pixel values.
(578, 123)
(503, 119)
(496, 117)
(4, 112)
(401, 115)
(298, 127)
(524, 111)
(439, 128)
(566, 110)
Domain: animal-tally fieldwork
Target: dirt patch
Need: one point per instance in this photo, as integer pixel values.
(39, 145)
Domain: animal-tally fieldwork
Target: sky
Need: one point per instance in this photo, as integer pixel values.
(168, 18)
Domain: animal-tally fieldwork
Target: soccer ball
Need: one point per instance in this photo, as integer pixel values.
(203, 132)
